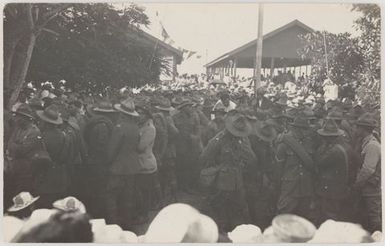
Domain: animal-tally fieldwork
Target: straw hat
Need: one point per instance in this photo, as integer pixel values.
(21, 201)
(127, 107)
(246, 234)
(180, 222)
(330, 129)
(340, 232)
(70, 204)
(237, 124)
(293, 228)
(50, 115)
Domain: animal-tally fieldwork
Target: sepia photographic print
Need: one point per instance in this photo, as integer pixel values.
(209, 122)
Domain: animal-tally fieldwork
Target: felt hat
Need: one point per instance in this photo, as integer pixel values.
(300, 122)
(24, 110)
(164, 104)
(290, 113)
(368, 120)
(330, 128)
(185, 102)
(335, 115)
(309, 114)
(237, 124)
(246, 234)
(70, 204)
(21, 201)
(293, 228)
(266, 132)
(282, 101)
(127, 106)
(249, 113)
(50, 115)
(104, 106)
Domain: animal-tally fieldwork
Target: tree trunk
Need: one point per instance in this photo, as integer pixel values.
(9, 51)
(21, 67)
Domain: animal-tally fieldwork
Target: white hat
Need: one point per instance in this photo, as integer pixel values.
(246, 234)
(180, 222)
(70, 204)
(21, 201)
(339, 232)
(11, 226)
(377, 236)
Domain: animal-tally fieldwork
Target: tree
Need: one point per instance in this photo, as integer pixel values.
(97, 46)
(369, 24)
(344, 58)
(23, 23)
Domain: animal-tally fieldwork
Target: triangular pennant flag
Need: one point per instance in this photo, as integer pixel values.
(165, 34)
(191, 54)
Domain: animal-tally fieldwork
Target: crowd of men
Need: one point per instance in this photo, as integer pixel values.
(128, 153)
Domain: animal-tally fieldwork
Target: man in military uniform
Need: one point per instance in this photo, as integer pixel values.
(294, 159)
(124, 165)
(97, 134)
(53, 181)
(332, 165)
(230, 152)
(368, 182)
(188, 145)
(216, 125)
(25, 155)
(167, 176)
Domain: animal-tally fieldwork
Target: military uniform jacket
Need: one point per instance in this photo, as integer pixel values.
(122, 149)
(25, 151)
(233, 154)
(332, 169)
(296, 179)
(188, 141)
(369, 176)
(97, 135)
(54, 179)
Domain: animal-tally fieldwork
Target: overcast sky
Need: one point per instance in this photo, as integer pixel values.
(214, 29)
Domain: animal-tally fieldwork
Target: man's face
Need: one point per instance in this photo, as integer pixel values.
(358, 131)
(225, 101)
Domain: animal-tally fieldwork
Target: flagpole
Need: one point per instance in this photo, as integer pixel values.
(258, 61)
(326, 54)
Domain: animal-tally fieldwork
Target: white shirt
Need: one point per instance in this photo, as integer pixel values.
(231, 106)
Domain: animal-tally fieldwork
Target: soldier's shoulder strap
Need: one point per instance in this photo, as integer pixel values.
(299, 150)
